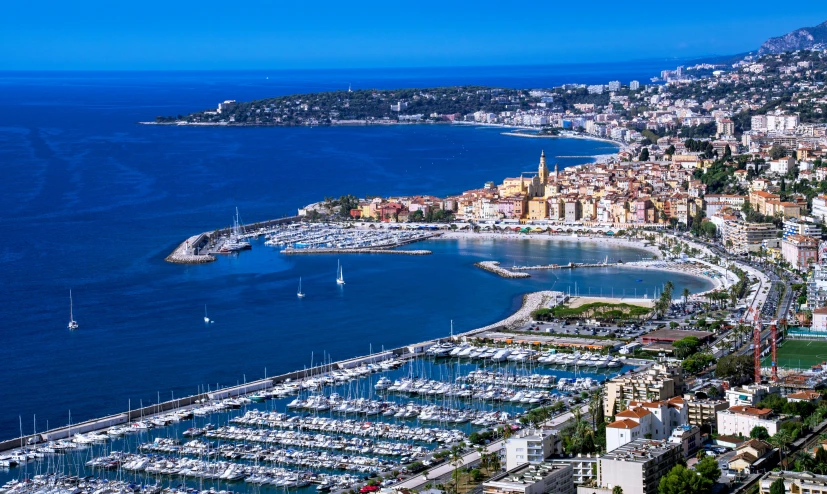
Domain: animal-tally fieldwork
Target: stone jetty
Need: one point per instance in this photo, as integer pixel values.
(494, 267)
(186, 253)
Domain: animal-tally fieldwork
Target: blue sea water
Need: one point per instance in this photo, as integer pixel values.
(93, 202)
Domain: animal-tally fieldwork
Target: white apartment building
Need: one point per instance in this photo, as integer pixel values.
(532, 479)
(749, 395)
(819, 210)
(652, 420)
(530, 446)
(742, 419)
(636, 467)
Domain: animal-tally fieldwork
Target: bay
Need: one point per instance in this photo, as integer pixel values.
(93, 202)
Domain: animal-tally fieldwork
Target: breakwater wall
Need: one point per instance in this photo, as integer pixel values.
(189, 251)
(291, 251)
(494, 267)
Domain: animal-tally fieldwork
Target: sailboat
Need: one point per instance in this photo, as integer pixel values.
(340, 279)
(72, 323)
(206, 318)
(300, 293)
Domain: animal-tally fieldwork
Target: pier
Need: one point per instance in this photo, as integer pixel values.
(494, 267)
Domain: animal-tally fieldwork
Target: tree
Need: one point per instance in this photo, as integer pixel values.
(617, 490)
(644, 155)
(681, 480)
(781, 440)
(759, 432)
(685, 296)
(686, 346)
(777, 486)
(738, 368)
(777, 152)
(708, 469)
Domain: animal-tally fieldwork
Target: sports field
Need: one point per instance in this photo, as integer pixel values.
(799, 354)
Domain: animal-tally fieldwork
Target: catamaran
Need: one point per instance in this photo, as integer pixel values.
(72, 323)
(206, 318)
(300, 293)
(340, 279)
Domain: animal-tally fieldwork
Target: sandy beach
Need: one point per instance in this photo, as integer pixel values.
(603, 240)
(691, 267)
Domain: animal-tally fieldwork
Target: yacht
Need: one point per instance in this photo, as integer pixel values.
(300, 293)
(382, 384)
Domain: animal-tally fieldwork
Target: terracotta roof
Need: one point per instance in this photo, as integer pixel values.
(635, 412)
(748, 410)
(820, 310)
(623, 424)
(804, 395)
(754, 443)
(747, 457)
(730, 439)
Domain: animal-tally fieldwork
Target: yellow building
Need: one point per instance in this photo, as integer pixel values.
(537, 209)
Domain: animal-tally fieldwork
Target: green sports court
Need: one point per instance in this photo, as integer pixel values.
(799, 354)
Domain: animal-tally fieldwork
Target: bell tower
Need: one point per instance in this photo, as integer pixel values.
(542, 170)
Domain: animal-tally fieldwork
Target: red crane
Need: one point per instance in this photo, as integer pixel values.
(756, 352)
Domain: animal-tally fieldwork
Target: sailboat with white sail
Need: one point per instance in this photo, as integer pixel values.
(72, 323)
(206, 317)
(340, 278)
(300, 293)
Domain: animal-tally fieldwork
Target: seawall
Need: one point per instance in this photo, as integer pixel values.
(494, 267)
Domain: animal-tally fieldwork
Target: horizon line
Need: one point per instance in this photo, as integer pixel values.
(411, 67)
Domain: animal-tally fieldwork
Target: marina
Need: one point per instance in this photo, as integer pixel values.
(324, 430)
(294, 236)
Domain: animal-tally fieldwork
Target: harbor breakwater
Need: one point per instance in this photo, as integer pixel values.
(494, 267)
(531, 302)
(190, 250)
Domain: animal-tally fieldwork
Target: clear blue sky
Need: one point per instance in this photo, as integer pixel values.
(256, 34)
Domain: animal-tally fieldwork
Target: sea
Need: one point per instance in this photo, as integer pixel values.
(92, 202)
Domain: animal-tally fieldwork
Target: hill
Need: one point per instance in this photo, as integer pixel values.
(806, 38)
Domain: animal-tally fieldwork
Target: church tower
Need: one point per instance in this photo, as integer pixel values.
(542, 170)
(556, 171)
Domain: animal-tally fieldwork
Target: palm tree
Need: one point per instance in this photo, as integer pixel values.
(456, 461)
(595, 403)
(781, 440)
(685, 297)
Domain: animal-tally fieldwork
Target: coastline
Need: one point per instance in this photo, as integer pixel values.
(685, 268)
